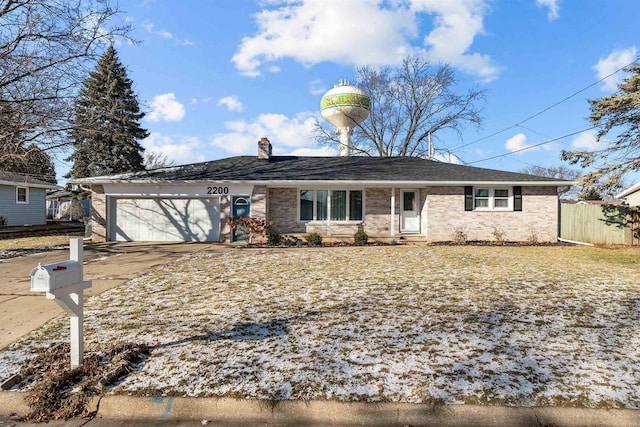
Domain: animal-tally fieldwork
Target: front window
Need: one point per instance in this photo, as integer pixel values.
(22, 195)
(336, 205)
(501, 198)
(492, 198)
(306, 205)
(482, 198)
(355, 205)
(339, 205)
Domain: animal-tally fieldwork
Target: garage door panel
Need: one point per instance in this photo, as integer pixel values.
(183, 220)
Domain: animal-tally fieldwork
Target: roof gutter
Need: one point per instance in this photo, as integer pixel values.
(30, 185)
(314, 182)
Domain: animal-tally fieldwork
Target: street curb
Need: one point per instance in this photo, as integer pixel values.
(319, 412)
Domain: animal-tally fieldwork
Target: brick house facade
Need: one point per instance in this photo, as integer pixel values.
(388, 198)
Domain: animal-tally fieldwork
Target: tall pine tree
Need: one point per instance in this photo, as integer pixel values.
(106, 126)
(616, 156)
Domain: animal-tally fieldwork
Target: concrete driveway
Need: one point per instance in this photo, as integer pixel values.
(107, 265)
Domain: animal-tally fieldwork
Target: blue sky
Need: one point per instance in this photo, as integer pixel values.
(214, 76)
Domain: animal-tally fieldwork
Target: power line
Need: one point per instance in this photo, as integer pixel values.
(534, 145)
(546, 109)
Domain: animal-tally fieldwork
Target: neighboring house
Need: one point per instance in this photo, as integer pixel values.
(387, 197)
(631, 195)
(62, 205)
(22, 199)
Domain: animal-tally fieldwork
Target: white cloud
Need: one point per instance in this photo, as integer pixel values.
(616, 60)
(457, 23)
(165, 107)
(360, 32)
(185, 152)
(286, 134)
(232, 103)
(552, 6)
(586, 141)
(148, 26)
(518, 143)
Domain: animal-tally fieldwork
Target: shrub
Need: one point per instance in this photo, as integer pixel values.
(533, 238)
(460, 235)
(360, 238)
(274, 238)
(250, 227)
(499, 234)
(313, 239)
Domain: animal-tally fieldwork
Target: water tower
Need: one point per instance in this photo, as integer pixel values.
(345, 107)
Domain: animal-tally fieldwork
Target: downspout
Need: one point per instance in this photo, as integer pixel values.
(560, 239)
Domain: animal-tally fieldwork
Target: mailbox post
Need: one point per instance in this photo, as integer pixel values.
(64, 283)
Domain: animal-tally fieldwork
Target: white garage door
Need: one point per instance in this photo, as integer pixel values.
(166, 220)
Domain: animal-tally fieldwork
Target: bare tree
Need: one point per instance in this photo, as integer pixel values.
(561, 172)
(156, 160)
(18, 156)
(47, 48)
(409, 104)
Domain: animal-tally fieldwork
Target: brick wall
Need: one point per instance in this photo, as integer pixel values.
(98, 214)
(282, 209)
(259, 202)
(377, 221)
(442, 213)
(446, 215)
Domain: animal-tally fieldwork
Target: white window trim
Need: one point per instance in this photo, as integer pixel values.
(26, 191)
(491, 199)
(315, 206)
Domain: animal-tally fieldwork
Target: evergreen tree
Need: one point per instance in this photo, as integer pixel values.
(106, 126)
(619, 112)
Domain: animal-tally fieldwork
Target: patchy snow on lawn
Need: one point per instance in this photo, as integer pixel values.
(515, 326)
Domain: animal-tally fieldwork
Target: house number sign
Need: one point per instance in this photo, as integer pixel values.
(217, 190)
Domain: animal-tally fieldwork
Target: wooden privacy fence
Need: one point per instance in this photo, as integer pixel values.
(600, 224)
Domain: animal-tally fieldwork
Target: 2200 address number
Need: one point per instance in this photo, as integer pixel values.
(217, 190)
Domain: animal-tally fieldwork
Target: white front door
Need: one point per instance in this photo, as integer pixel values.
(409, 213)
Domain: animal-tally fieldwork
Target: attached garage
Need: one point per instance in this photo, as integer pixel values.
(165, 219)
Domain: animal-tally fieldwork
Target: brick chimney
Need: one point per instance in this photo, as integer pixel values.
(264, 148)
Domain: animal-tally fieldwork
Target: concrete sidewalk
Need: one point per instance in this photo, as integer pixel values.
(107, 265)
(177, 411)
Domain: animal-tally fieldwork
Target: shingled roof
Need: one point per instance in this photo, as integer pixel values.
(334, 169)
(13, 178)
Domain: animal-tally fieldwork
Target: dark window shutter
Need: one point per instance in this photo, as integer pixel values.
(517, 198)
(468, 198)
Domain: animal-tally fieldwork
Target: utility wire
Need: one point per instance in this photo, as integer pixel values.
(546, 109)
(534, 145)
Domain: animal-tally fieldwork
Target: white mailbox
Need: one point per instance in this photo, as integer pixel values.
(63, 283)
(46, 278)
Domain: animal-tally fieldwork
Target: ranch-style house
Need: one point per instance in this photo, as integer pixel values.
(389, 198)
